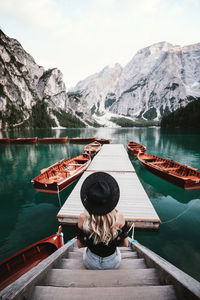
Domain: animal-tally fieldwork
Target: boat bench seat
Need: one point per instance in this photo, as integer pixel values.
(170, 169)
(157, 162)
(75, 164)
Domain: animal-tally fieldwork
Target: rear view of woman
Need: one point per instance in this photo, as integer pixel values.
(101, 227)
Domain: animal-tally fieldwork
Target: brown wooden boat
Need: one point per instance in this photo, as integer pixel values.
(82, 140)
(57, 177)
(21, 262)
(134, 148)
(53, 140)
(4, 140)
(24, 140)
(103, 141)
(184, 176)
(92, 148)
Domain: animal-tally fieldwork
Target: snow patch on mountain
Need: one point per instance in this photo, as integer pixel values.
(159, 79)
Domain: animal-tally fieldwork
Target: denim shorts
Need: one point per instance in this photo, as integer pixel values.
(95, 262)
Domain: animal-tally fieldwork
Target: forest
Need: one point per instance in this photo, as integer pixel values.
(184, 117)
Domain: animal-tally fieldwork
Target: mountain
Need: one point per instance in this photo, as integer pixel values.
(29, 95)
(184, 117)
(158, 80)
(91, 96)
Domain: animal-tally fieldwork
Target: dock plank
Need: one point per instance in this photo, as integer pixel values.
(133, 203)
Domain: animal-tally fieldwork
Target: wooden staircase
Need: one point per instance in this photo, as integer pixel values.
(133, 280)
(142, 275)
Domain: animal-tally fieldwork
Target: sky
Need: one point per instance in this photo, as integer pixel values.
(81, 37)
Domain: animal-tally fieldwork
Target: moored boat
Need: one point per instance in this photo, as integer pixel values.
(82, 140)
(21, 262)
(53, 140)
(4, 140)
(134, 148)
(57, 177)
(184, 176)
(24, 140)
(92, 148)
(103, 141)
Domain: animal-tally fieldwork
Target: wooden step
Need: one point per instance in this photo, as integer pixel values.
(165, 292)
(126, 254)
(101, 278)
(126, 263)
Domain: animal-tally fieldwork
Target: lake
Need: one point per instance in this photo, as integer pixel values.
(27, 216)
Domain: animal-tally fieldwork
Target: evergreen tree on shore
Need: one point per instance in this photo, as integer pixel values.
(184, 117)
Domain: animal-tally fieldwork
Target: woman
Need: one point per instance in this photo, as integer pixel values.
(101, 227)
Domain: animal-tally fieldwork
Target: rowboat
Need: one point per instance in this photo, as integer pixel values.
(134, 148)
(92, 148)
(82, 140)
(24, 140)
(53, 140)
(184, 176)
(103, 141)
(57, 177)
(21, 262)
(4, 140)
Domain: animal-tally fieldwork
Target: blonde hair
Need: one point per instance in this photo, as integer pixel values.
(101, 228)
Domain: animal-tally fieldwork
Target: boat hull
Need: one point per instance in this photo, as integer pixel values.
(82, 140)
(24, 140)
(54, 188)
(93, 148)
(135, 148)
(186, 182)
(60, 175)
(4, 141)
(18, 264)
(53, 140)
(103, 141)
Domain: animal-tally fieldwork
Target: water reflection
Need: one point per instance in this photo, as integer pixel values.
(157, 187)
(27, 216)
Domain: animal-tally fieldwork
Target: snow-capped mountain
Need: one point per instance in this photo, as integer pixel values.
(159, 79)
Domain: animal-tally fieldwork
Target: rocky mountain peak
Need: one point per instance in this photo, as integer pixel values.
(158, 79)
(26, 87)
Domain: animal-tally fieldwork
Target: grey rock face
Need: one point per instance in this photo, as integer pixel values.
(159, 79)
(24, 84)
(96, 89)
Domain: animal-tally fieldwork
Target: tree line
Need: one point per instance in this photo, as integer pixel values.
(184, 117)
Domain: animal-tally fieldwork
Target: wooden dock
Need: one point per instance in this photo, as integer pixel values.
(133, 203)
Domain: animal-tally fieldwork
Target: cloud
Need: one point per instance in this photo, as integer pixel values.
(41, 13)
(82, 36)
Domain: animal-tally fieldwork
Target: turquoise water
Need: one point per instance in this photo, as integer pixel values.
(27, 216)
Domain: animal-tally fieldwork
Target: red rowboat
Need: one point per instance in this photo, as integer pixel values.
(103, 141)
(24, 140)
(53, 140)
(134, 148)
(172, 171)
(57, 177)
(82, 140)
(4, 141)
(21, 262)
(92, 148)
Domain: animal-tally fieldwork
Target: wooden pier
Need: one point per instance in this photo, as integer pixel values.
(133, 203)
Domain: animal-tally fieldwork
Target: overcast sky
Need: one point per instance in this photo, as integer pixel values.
(80, 37)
